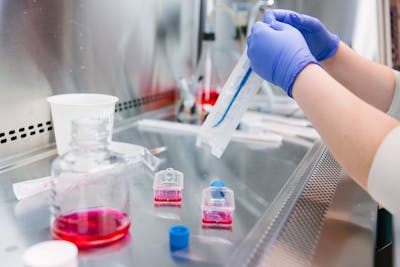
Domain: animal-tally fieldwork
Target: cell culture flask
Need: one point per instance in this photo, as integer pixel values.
(90, 193)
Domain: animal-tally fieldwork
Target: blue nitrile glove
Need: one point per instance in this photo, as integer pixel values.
(322, 43)
(278, 53)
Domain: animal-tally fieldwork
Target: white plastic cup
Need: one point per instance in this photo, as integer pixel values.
(68, 107)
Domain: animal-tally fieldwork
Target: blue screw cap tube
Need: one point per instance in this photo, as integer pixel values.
(178, 237)
(239, 89)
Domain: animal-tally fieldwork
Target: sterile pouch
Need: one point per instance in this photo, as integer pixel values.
(239, 89)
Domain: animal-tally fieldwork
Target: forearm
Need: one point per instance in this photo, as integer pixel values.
(352, 129)
(372, 82)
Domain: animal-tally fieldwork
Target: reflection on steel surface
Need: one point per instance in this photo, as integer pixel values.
(128, 48)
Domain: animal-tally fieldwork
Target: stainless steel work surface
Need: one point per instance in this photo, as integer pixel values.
(348, 235)
(258, 173)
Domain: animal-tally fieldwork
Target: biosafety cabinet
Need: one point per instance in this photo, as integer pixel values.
(294, 205)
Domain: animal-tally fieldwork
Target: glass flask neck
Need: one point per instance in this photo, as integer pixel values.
(90, 134)
(207, 48)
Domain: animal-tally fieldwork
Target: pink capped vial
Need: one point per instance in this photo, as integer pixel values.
(168, 186)
(218, 204)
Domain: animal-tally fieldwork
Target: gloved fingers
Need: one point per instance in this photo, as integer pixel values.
(281, 15)
(305, 22)
(274, 24)
(259, 28)
(269, 14)
(270, 25)
(269, 28)
(297, 20)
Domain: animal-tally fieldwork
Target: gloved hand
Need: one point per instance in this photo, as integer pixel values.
(278, 53)
(322, 43)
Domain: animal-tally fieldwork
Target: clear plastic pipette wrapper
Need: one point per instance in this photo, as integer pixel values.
(134, 154)
(239, 89)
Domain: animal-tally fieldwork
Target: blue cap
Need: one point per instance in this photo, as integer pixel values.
(217, 184)
(178, 237)
(217, 193)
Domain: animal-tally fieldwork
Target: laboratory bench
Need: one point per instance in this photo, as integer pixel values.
(294, 205)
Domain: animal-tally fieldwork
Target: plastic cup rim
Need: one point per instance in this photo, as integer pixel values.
(55, 99)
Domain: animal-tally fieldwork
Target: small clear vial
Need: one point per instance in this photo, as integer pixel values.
(218, 205)
(168, 186)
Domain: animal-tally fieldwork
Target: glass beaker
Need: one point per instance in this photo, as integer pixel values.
(90, 193)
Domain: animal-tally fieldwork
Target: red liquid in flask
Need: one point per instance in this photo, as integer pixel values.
(217, 217)
(167, 196)
(94, 227)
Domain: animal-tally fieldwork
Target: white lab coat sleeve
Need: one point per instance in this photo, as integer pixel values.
(384, 175)
(394, 109)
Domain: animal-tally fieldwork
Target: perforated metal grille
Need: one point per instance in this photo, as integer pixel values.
(39, 128)
(167, 96)
(297, 239)
(25, 131)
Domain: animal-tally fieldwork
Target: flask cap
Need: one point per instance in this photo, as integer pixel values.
(54, 253)
(217, 184)
(178, 237)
